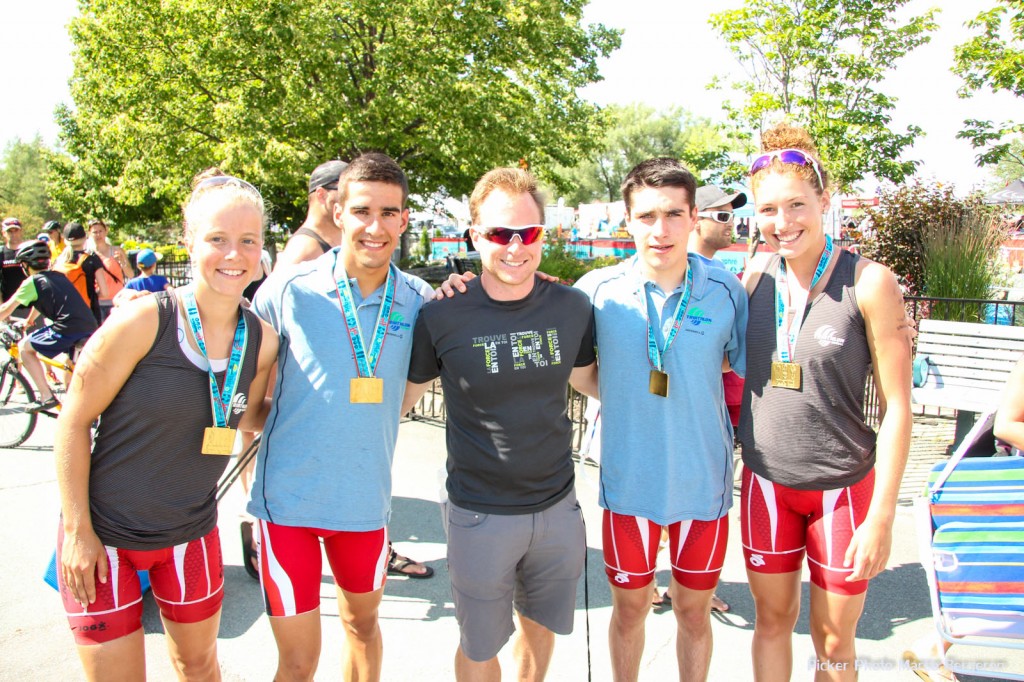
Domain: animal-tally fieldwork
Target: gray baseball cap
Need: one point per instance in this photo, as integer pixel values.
(326, 175)
(709, 195)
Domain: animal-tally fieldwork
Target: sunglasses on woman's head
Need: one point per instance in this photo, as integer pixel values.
(527, 234)
(795, 156)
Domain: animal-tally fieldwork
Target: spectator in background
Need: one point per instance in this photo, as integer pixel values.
(116, 268)
(318, 234)
(56, 238)
(76, 254)
(13, 274)
(148, 280)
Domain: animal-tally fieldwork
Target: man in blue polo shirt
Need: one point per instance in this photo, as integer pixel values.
(323, 469)
(666, 439)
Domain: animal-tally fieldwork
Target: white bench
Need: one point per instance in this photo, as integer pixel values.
(969, 364)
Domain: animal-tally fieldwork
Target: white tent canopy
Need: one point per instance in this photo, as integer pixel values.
(1013, 193)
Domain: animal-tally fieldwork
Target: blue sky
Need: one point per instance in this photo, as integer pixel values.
(668, 55)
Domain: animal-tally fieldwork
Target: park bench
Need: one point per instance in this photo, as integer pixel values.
(968, 364)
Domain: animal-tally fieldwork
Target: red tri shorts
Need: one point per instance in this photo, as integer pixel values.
(291, 565)
(696, 550)
(187, 582)
(780, 524)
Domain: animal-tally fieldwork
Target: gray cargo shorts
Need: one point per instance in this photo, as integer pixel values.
(530, 561)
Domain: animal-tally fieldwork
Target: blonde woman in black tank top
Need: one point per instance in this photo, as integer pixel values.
(805, 425)
(173, 473)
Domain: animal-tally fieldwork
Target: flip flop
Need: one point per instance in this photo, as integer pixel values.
(399, 565)
(249, 555)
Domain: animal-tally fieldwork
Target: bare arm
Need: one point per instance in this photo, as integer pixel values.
(122, 259)
(1009, 424)
(299, 249)
(259, 390)
(109, 358)
(881, 303)
(584, 380)
(413, 393)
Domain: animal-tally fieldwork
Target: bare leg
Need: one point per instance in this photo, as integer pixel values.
(693, 636)
(364, 649)
(533, 648)
(298, 646)
(777, 606)
(467, 670)
(119, 660)
(833, 629)
(626, 634)
(193, 648)
(30, 361)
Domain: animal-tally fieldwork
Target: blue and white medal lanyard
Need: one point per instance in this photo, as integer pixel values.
(366, 388)
(658, 383)
(785, 340)
(220, 437)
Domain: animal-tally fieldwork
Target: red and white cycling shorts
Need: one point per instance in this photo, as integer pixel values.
(291, 565)
(779, 524)
(187, 582)
(696, 550)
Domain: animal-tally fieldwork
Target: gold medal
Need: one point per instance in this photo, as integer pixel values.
(366, 390)
(218, 441)
(659, 383)
(786, 375)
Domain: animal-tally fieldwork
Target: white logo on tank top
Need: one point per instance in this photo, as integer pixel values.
(239, 403)
(826, 335)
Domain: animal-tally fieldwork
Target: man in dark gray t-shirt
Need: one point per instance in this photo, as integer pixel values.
(505, 352)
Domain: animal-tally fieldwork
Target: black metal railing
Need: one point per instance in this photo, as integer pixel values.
(177, 270)
(989, 311)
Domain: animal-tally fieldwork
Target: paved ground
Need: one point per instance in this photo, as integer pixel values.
(417, 617)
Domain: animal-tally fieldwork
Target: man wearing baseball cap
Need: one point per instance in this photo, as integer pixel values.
(714, 228)
(13, 274)
(318, 234)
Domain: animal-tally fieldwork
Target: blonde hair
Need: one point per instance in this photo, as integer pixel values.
(512, 181)
(785, 136)
(212, 188)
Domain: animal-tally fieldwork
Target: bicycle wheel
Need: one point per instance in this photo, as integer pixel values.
(16, 422)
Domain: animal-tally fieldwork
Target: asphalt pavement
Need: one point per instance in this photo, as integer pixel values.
(417, 617)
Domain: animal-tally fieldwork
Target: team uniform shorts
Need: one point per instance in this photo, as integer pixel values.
(291, 565)
(46, 341)
(696, 550)
(187, 582)
(780, 524)
(497, 562)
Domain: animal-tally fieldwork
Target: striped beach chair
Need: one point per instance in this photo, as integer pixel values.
(973, 524)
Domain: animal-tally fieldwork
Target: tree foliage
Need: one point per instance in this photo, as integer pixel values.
(993, 58)
(905, 217)
(636, 132)
(23, 167)
(449, 88)
(819, 63)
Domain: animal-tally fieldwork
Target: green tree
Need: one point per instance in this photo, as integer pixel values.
(1010, 165)
(993, 58)
(819, 63)
(636, 132)
(269, 90)
(23, 167)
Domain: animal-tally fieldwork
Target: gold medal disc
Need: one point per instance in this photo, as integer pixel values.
(218, 441)
(658, 384)
(366, 390)
(786, 375)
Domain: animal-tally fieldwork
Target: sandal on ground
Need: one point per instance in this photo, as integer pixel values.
(249, 557)
(401, 565)
(718, 604)
(42, 405)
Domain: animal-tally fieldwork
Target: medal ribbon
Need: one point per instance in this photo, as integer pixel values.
(220, 400)
(786, 342)
(654, 354)
(366, 363)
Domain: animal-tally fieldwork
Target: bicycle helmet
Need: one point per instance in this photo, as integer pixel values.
(35, 254)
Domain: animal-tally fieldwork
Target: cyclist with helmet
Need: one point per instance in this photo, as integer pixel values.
(55, 297)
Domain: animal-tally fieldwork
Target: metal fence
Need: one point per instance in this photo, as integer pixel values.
(178, 271)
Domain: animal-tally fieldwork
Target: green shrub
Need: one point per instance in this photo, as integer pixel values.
(958, 262)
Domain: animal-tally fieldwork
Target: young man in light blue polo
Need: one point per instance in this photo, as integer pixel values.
(666, 327)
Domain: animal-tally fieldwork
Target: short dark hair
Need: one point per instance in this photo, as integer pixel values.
(660, 172)
(373, 167)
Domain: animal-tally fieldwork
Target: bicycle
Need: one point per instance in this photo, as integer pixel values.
(16, 392)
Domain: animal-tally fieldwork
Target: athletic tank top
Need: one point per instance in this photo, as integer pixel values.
(814, 438)
(310, 233)
(149, 485)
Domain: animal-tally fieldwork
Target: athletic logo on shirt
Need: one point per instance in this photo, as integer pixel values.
(528, 349)
(397, 323)
(826, 335)
(621, 578)
(239, 403)
(696, 317)
(756, 560)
